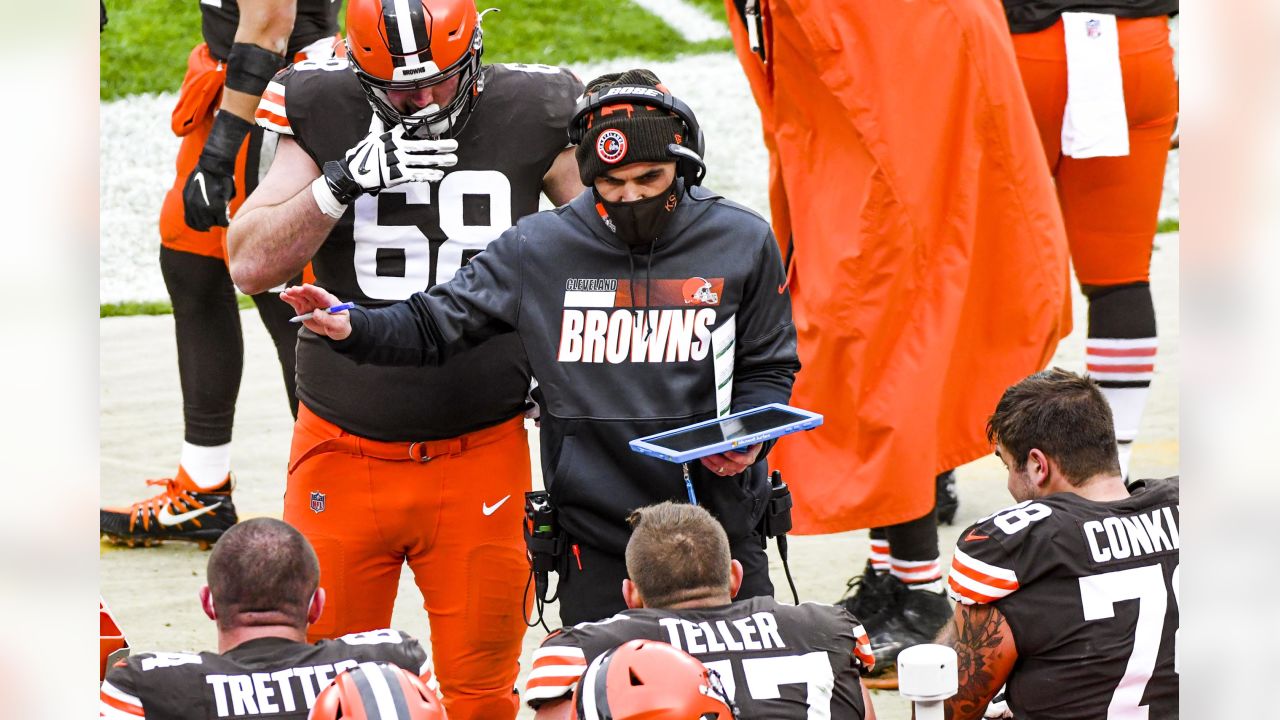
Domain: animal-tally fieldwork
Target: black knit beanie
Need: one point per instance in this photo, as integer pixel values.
(620, 134)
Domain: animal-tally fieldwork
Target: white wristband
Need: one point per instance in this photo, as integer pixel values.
(325, 200)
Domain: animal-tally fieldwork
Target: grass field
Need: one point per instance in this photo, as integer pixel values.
(145, 46)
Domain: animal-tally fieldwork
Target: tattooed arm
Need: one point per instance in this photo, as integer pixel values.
(983, 642)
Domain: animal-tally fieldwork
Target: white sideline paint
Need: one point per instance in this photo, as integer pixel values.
(689, 21)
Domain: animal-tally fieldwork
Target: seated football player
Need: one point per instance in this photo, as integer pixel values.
(263, 592)
(774, 660)
(1071, 595)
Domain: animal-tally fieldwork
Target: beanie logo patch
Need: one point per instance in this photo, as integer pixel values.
(611, 146)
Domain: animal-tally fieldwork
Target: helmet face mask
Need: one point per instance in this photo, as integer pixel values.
(408, 45)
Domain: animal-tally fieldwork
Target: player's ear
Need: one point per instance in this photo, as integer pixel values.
(206, 603)
(735, 578)
(316, 606)
(631, 594)
(1038, 467)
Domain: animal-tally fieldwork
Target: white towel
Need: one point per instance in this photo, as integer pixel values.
(1094, 123)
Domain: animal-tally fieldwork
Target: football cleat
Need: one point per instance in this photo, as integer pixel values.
(184, 511)
(868, 594)
(914, 617)
(948, 499)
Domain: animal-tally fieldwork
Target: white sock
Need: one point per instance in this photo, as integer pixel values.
(206, 466)
(1123, 369)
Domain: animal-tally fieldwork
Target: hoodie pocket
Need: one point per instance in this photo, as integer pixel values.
(563, 465)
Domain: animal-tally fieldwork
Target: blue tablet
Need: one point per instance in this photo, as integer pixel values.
(731, 432)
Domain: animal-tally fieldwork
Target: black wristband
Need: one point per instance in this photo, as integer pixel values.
(250, 68)
(341, 184)
(225, 139)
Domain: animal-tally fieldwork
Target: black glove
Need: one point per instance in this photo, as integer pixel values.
(212, 184)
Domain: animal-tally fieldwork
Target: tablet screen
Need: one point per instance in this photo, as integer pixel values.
(730, 428)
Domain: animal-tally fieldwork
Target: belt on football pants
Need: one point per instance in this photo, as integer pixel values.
(422, 451)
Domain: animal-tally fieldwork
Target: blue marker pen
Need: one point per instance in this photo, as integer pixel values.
(331, 310)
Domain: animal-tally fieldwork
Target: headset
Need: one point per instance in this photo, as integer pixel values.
(688, 156)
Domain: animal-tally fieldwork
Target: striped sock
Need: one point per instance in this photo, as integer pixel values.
(918, 574)
(879, 556)
(1123, 369)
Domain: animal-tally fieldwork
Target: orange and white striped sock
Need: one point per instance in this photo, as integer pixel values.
(918, 574)
(1123, 369)
(879, 555)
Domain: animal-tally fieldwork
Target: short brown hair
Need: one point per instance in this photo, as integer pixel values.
(262, 572)
(1062, 414)
(677, 552)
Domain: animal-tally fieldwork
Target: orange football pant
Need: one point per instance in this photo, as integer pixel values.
(368, 508)
(1110, 204)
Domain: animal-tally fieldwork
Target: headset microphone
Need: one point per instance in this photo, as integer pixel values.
(694, 168)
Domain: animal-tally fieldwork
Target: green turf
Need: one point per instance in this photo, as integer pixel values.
(153, 307)
(1168, 225)
(145, 45)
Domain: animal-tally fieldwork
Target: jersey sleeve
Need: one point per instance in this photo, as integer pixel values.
(557, 665)
(272, 112)
(984, 567)
(863, 657)
(313, 102)
(118, 698)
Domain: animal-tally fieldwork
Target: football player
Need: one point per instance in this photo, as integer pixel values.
(245, 43)
(396, 166)
(775, 661)
(650, 680)
(263, 591)
(1109, 183)
(1071, 595)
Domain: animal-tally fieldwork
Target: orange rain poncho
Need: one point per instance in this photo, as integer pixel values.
(928, 257)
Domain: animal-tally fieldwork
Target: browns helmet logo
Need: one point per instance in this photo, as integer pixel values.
(611, 146)
(697, 291)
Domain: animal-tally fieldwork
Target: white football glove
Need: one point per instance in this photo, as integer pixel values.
(388, 159)
(380, 161)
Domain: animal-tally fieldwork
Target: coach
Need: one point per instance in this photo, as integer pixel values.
(646, 303)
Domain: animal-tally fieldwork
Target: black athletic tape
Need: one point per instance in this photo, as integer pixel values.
(220, 150)
(250, 68)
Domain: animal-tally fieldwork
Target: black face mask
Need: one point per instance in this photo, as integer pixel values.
(640, 222)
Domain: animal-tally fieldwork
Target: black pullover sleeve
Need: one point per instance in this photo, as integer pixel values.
(482, 300)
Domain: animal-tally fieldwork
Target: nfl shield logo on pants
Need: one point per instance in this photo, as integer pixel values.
(317, 502)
